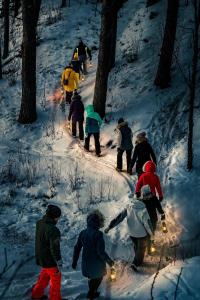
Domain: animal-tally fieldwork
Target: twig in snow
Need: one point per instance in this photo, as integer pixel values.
(177, 284)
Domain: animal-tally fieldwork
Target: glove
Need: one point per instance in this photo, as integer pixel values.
(111, 263)
(59, 265)
(161, 199)
(138, 194)
(162, 217)
(74, 265)
(107, 230)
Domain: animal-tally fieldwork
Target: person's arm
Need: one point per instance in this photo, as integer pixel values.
(152, 154)
(134, 157)
(89, 53)
(147, 223)
(75, 79)
(158, 188)
(86, 126)
(62, 77)
(54, 238)
(70, 111)
(159, 208)
(101, 249)
(77, 250)
(139, 185)
(117, 220)
(118, 138)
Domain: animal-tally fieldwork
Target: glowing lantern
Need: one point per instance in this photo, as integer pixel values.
(152, 248)
(164, 227)
(113, 274)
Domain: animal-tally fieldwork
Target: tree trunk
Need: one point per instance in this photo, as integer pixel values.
(30, 14)
(113, 38)
(100, 90)
(164, 68)
(6, 5)
(64, 3)
(0, 60)
(151, 2)
(192, 90)
(16, 7)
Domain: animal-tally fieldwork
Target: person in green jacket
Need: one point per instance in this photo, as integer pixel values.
(48, 255)
(92, 127)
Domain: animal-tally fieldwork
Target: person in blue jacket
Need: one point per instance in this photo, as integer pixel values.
(92, 127)
(94, 257)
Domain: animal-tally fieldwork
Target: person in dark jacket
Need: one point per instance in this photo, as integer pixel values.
(124, 143)
(153, 205)
(94, 257)
(48, 255)
(76, 65)
(83, 52)
(143, 152)
(92, 127)
(76, 113)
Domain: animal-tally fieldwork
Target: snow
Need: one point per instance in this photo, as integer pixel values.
(42, 164)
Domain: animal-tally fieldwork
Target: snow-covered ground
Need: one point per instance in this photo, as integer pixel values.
(42, 164)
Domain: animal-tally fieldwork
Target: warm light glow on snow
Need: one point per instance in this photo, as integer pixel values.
(57, 95)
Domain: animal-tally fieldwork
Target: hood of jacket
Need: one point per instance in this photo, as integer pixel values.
(92, 114)
(149, 167)
(93, 221)
(76, 97)
(120, 125)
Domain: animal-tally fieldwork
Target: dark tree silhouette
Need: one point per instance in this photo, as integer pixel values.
(151, 2)
(6, 5)
(30, 15)
(107, 49)
(164, 68)
(103, 67)
(17, 4)
(192, 84)
(0, 60)
(64, 3)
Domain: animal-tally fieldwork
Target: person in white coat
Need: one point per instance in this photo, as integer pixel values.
(139, 226)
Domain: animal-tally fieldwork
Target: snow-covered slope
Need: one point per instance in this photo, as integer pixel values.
(41, 164)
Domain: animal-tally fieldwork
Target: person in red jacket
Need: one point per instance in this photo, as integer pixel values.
(149, 178)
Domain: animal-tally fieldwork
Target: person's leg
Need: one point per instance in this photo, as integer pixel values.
(128, 158)
(97, 143)
(68, 97)
(119, 158)
(55, 284)
(41, 284)
(81, 132)
(87, 142)
(93, 287)
(140, 251)
(74, 129)
(85, 66)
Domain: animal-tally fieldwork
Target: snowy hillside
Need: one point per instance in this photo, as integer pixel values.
(41, 164)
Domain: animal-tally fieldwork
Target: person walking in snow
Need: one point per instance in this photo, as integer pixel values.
(92, 127)
(139, 227)
(76, 65)
(149, 178)
(48, 255)
(69, 82)
(94, 257)
(142, 153)
(153, 205)
(124, 143)
(83, 53)
(76, 113)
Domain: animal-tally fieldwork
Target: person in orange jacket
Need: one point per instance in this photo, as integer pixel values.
(69, 82)
(149, 178)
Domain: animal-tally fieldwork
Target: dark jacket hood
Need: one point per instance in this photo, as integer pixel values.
(93, 221)
(122, 125)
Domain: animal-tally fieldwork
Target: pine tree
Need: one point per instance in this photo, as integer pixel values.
(164, 68)
(30, 15)
(6, 5)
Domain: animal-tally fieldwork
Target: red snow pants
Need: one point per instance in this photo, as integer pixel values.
(46, 275)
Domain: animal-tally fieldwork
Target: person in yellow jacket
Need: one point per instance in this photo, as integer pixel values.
(69, 82)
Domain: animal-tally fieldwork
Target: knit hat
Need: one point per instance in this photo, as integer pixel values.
(146, 191)
(141, 135)
(121, 120)
(53, 211)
